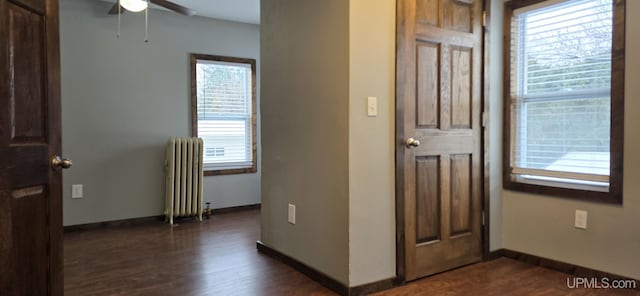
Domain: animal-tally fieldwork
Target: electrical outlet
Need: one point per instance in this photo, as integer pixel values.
(292, 214)
(76, 191)
(581, 219)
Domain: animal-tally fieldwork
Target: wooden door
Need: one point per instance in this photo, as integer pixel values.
(439, 64)
(30, 190)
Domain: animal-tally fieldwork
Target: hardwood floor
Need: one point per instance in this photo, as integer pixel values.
(219, 257)
(215, 257)
(499, 277)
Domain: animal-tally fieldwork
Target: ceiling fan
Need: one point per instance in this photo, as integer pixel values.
(139, 5)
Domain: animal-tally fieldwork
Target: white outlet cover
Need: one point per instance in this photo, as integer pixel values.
(76, 191)
(292, 214)
(581, 219)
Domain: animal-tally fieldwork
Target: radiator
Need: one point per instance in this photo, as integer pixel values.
(184, 178)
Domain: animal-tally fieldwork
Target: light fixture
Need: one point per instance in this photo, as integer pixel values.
(134, 5)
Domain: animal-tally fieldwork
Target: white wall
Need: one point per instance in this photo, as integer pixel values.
(372, 232)
(543, 225)
(305, 108)
(123, 98)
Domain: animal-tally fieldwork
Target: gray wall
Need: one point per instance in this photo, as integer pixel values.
(305, 115)
(543, 225)
(123, 98)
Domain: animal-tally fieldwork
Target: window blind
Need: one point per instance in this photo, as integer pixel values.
(224, 113)
(560, 90)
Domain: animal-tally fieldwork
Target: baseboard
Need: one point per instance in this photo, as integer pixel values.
(493, 255)
(150, 219)
(236, 209)
(312, 273)
(325, 280)
(571, 269)
(374, 287)
(114, 223)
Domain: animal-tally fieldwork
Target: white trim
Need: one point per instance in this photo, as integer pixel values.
(562, 183)
(536, 6)
(227, 166)
(561, 175)
(224, 63)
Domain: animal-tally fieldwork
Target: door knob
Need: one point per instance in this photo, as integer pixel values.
(57, 162)
(412, 143)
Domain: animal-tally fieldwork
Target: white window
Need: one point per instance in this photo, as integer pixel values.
(560, 93)
(225, 112)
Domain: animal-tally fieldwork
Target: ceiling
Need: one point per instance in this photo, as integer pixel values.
(245, 11)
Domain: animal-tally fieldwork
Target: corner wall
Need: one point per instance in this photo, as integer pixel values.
(543, 225)
(494, 47)
(305, 116)
(297, 60)
(123, 98)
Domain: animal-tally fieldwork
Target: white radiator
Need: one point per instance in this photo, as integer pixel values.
(184, 178)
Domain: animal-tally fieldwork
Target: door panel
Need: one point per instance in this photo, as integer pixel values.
(458, 15)
(461, 87)
(30, 230)
(427, 199)
(427, 12)
(438, 95)
(30, 191)
(460, 195)
(26, 100)
(428, 98)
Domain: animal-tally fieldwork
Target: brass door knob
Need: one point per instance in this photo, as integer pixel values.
(412, 143)
(60, 163)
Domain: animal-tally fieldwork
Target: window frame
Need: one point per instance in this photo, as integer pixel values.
(614, 193)
(194, 57)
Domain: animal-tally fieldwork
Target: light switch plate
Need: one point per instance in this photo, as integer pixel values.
(372, 106)
(581, 219)
(292, 214)
(76, 191)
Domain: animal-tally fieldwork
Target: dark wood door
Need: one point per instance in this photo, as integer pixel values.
(439, 56)
(30, 190)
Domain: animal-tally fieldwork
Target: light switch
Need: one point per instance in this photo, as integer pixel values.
(372, 106)
(292, 214)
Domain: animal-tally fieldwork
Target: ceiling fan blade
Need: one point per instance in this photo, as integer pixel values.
(114, 9)
(175, 7)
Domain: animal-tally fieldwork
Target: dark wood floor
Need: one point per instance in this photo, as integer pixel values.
(215, 257)
(218, 257)
(499, 277)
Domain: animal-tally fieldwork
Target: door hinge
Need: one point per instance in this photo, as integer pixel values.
(485, 119)
(484, 18)
(482, 218)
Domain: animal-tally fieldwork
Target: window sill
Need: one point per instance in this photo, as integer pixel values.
(586, 192)
(563, 183)
(219, 172)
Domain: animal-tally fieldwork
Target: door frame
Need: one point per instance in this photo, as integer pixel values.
(484, 138)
